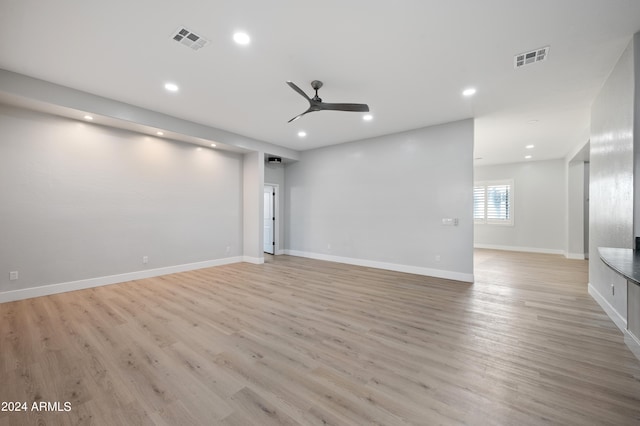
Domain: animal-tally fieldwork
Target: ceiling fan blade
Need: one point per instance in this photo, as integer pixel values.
(299, 90)
(299, 115)
(343, 107)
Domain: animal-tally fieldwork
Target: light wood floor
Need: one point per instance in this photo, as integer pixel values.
(299, 341)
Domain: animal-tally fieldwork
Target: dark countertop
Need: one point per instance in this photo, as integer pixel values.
(626, 262)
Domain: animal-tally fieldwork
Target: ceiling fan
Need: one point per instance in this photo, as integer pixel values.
(316, 104)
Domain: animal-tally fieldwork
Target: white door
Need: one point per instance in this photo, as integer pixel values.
(269, 219)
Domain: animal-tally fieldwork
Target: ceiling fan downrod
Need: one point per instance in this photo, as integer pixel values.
(316, 84)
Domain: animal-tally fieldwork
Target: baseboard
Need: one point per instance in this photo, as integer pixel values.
(629, 339)
(618, 319)
(46, 290)
(418, 270)
(633, 343)
(517, 248)
(575, 256)
(254, 260)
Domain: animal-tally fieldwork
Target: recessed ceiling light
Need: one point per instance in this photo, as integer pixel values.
(527, 156)
(213, 145)
(533, 122)
(530, 146)
(159, 133)
(478, 158)
(302, 133)
(367, 117)
(241, 38)
(171, 87)
(88, 117)
(198, 149)
(469, 92)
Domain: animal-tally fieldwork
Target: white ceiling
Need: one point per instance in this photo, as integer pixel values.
(409, 60)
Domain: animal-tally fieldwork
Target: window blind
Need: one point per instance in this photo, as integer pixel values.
(497, 201)
(478, 202)
(493, 202)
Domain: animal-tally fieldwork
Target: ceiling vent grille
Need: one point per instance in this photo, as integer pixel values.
(531, 57)
(190, 39)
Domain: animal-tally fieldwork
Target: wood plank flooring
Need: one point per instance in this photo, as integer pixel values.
(303, 342)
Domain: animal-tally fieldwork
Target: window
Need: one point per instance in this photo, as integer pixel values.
(493, 202)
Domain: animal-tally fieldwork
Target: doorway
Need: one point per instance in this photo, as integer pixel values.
(270, 215)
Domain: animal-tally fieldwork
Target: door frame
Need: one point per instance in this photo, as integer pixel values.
(276, 214)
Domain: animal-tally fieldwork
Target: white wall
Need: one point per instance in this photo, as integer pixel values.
(380, 202)
(253, 208)
(611, 210)
(539, 208)
(65, 101)
(585, 208)
(577, 184)
(576, 204)
(81, 201)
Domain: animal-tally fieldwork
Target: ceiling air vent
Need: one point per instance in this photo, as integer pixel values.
(189, 38)
(531, 57)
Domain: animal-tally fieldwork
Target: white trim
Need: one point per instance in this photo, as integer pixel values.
(254, 260)
(615, 316)
(630, 340)
(46, 290)
(575, 256)
(516, 248)
(500, 222)
(418, 270)
(633, 343)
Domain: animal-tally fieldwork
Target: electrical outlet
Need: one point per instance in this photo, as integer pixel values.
(13, 275)
(145, 259)
(328, 246)
(437, 258)
(228, 249)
